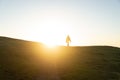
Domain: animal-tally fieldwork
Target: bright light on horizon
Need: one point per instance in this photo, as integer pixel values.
(52, 30)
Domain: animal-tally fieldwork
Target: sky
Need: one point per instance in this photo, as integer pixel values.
(88, 22)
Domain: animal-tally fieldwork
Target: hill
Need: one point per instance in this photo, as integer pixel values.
(25, 60)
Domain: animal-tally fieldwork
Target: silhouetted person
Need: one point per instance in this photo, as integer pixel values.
(68, 40)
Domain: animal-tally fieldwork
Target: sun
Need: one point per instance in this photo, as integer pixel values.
(50, 45)
(51, 30)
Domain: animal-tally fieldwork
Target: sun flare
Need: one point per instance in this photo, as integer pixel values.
(51, 30)
(48, 45)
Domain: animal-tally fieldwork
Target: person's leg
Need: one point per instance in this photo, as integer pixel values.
(68, 44)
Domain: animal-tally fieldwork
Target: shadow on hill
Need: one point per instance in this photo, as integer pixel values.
(25, 60)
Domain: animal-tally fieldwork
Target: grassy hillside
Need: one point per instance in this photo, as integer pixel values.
(25, 60)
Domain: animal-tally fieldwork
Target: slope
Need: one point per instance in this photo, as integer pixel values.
(25, 60)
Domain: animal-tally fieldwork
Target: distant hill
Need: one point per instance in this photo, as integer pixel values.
(26, 60)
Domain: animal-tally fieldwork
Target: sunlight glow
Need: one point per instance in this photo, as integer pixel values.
(52, 27)
(51, 31)
(51, 46)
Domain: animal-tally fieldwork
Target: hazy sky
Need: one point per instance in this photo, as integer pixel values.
(88, 22)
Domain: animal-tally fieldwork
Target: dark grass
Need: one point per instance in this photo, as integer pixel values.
(25, 60)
